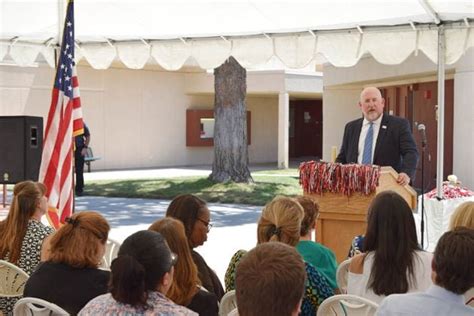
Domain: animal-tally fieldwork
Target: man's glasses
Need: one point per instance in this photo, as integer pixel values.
(207, 224)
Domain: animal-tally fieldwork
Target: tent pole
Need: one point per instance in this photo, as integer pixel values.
(440, 152)
(61, 16)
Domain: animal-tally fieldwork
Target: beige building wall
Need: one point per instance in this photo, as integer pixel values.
(137, 118)
(343, 85)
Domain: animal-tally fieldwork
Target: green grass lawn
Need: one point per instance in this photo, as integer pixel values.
(267, 184)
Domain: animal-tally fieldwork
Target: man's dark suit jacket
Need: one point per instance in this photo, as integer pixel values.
(395, 145)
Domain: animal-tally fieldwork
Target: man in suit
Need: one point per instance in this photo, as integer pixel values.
(379, 138)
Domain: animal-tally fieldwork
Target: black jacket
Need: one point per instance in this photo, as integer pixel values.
(395, 145)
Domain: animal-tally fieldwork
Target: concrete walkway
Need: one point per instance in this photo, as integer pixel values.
(234, 226)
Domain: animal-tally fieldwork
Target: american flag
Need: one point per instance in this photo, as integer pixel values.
(64, 122)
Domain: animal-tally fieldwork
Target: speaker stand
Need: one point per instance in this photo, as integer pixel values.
(4, 196)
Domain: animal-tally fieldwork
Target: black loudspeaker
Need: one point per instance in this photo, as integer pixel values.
(21, 146)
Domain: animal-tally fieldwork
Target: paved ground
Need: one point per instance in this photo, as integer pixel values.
(234, 226)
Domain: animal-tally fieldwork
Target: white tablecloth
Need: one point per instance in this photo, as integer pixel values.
(437, 215)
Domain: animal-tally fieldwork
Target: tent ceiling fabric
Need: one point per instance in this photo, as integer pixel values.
(252, 31)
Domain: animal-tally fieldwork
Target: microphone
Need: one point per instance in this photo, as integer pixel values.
(422, 129)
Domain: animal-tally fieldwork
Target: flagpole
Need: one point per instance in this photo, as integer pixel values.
(73, 210)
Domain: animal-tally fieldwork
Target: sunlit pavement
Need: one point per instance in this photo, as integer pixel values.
(234, 226)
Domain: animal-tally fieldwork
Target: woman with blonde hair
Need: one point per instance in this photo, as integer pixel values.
(281, 221)
(22, 233)
(73, 256)
(186, 287)
(463, 216)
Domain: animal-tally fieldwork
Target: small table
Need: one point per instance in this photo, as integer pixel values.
(437, 215)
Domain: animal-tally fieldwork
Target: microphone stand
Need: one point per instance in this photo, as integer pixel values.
(423, 147)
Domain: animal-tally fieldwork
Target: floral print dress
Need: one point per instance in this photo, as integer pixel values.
(30, 255)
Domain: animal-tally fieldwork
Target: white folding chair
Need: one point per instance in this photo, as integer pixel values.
(347, 305)
(12, 280)
(111, 252)
(32, 306)
(228, 303)
(342, 274)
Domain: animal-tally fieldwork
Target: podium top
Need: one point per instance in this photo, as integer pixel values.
(350, 180)
(388, 181)
(318, 177)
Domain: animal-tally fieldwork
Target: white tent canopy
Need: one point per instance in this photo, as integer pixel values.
(297, 32)
(253, 31)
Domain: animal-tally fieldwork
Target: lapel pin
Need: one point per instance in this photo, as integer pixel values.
(384, 126)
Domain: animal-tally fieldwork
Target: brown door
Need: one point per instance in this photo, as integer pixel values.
(424, 103)
(306, 128)
(417, 103)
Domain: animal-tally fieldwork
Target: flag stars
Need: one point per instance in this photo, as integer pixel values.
(62, 66)
(69, 24)
(69, 88)
(68, 78)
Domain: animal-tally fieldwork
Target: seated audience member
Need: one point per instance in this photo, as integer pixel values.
(270, 280)
(453, 275)
(357, 246)
(185, 289)
(281, 221)
(318, 255)
(393, 261)
(141, 276)
(70, 276)
(22, 233)
(463, 216)
(196, 218)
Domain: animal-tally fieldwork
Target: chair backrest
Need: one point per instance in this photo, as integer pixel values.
(347, 305)
(342, 274)
(228, 303)
(12, 280)
(32, 306)
(111, 252)
(469, 297)
(89, 152)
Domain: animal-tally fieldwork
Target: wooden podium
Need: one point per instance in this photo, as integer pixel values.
(342, 217)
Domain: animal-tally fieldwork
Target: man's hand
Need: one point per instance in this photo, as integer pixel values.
(403, 178)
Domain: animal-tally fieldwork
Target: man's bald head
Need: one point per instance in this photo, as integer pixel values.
(371, 103)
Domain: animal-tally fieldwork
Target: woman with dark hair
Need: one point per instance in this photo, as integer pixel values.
(186, 288)
(22, 233)
(141, 276)
(196, 218)
(70, 276)
(393, 262)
